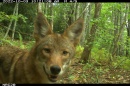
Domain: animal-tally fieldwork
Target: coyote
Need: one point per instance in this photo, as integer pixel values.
(47, 60)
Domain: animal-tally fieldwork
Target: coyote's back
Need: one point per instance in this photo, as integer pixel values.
(48, 59)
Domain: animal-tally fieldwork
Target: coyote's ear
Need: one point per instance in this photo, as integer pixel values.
(41, 27)
(73, 32)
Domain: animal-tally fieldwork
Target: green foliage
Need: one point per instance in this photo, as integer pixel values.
(20, 39)
(25, 18)
(79, 50)
(6, 42)
(29, 44)
(61, 16)
(3, 16)
(121, 62)
(101, 56)
(105, 27)
(19, 43)
(126, 64)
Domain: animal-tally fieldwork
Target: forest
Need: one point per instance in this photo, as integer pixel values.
(103, 54)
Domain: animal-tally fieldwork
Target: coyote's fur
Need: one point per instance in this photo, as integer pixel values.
(46, 61)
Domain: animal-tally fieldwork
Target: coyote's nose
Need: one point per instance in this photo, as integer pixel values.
(55, 69)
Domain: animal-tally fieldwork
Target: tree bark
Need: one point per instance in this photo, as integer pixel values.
(15, 22)
(116, 39)
(39, 7)
(128, 36)
(87, 49)
(51, 14)
(116, 29)
(9, 27)
(70, 14)
(85, 13)
(121, 49)
(77, 11)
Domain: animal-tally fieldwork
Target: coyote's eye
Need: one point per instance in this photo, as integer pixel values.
(65, 53)
(47, 50)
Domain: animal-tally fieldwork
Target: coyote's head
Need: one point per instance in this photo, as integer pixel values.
(54, 51)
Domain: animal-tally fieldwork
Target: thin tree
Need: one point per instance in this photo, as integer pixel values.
(15, 22)
(121, 28)
(51, 14)
(9, 27)
(87, 49)
(128, 35)
(85, 14)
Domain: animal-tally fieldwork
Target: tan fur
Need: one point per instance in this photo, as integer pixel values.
(48, 59)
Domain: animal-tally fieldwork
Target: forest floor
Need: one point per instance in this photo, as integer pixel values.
(95, 74)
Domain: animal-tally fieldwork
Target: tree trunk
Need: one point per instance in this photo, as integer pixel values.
(51, 14)
(70, 14)
(119, 33)
(15, 22)
(128, 36)
(46, 8)
(39, 7)
(121, 50)
(85, 15)
(88, 21)
(9, 27)
(77, 11)
(87, 49)
(116, 28)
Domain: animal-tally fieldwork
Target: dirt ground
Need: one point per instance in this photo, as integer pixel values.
(96, 74)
